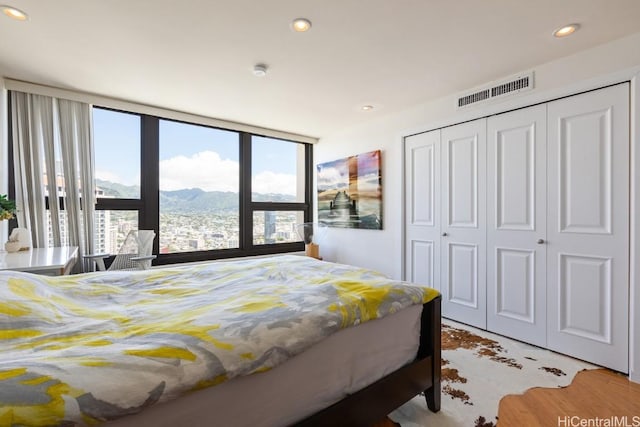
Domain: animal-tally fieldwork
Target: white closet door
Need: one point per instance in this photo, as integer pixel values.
(422, 213)
(463, 223)
(516, 224)
(588, 231)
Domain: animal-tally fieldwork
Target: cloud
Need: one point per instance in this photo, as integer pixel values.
(207, 171)
(204, 170)
(368, 182)
(331, 177)
(275, 183)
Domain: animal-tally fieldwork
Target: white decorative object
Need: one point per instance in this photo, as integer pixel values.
(12, 246)
(22, 237)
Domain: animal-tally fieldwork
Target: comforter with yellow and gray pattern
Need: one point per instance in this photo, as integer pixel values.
(77, 350)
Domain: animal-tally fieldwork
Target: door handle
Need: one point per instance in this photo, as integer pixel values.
(444, 234)
(541, 241)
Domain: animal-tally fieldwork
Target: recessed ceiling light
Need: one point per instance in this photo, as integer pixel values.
(366, 107)
(567, 30)
(300, 25)
(260, 70)
(14, 13)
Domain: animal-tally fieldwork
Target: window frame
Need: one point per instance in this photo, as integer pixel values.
(148, 206)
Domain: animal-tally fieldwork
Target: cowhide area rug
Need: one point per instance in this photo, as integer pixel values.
(478, 369)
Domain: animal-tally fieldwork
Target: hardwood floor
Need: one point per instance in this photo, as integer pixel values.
(595, 395)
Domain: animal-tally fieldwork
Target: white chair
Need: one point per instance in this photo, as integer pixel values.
(134, 254)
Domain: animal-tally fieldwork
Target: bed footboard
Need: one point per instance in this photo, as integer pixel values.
(374, 402)
(430, 346)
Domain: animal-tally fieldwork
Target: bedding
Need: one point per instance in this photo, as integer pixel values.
(82, 349)
(326, 373)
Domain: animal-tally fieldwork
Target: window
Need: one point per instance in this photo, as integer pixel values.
(117, 169)
(277, 170)
(116, 138)
(207, 192)
(278, 190)
(199, 188)
(271, 227)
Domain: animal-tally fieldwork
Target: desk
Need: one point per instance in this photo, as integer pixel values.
(50, 261)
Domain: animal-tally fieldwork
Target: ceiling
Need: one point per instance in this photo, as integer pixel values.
(197, 56)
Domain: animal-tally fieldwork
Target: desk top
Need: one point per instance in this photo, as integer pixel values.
(38, 259)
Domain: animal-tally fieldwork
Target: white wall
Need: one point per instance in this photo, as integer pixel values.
(382, 250)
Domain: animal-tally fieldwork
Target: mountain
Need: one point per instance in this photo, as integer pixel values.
(112, 189)
(197, 200)
(189, 199)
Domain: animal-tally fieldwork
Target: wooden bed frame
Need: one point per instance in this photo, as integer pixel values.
(371, 404)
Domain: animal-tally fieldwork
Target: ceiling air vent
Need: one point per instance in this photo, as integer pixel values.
(509, 86)
(474, 97)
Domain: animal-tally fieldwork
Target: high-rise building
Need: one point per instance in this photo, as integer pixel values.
(102, 237)
(101, 220)
(269, 227)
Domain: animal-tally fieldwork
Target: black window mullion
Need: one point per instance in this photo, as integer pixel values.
(13, 223)
(246, 208)
(308, 184)
(279, 206)
(108, 204)
(149, 215)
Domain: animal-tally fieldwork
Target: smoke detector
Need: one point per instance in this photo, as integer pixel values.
(260, 70)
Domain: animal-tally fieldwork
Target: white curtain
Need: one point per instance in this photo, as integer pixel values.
(76, 141)
(53, 137)
(28, 119)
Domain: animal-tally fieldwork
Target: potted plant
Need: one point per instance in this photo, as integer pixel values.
(7, 208)
(7, 211)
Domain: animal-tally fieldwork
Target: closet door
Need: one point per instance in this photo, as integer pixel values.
(588, 231)
(463, 223)
(516, 224)
(422, 209)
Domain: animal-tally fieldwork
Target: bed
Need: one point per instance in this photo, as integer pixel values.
(285, 340)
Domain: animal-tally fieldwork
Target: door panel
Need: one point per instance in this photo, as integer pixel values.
(464, 230)
(585, 172)
(422, 262)
(463, 182)
(463, 274)
(585, 297)
(587, 278)
(422, 189)
(515, 172)
(422, 209)
(515, 285)
(516, 212)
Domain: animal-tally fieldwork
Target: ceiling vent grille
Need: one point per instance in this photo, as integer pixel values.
(474, 97)
(509, 86)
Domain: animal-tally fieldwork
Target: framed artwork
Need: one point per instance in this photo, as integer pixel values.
(350, 192)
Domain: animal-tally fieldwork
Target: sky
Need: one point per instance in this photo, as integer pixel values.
(334, 175)
(191, 156)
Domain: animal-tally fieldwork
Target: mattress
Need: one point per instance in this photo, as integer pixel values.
(341, 364)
